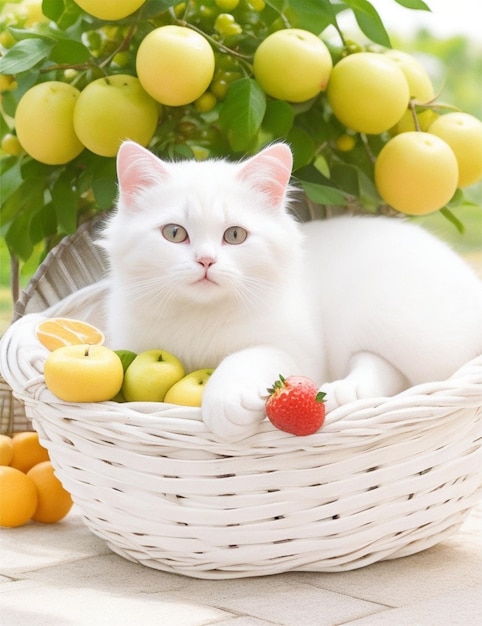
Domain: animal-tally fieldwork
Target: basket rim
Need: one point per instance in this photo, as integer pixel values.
(21, 363)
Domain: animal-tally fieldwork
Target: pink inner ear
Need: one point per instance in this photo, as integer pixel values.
(270, 171)
(137, 168)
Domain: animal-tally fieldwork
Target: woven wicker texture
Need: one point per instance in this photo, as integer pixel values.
(75, 263)
(382, 479)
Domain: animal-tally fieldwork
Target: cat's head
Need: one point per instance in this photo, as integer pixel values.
(202, 231)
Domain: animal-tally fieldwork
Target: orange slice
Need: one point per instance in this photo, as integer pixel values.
(62, 331)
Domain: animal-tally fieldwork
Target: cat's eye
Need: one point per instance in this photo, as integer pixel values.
(235, 235)
(174, 233)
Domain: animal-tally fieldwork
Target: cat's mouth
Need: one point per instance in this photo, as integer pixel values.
(205, 280)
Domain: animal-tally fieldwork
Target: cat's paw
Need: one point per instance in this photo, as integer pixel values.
(232, 413)
(341, 392)
(370, 376)
(234, 399)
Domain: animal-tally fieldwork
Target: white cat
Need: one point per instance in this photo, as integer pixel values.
(207, 263)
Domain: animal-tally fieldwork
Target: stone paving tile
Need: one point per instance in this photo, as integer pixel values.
(244, 620)
(108, 573)
(278, 599)
(40, 545)
(460, 608)
(44, 605)
(281, 599)
(454, 565)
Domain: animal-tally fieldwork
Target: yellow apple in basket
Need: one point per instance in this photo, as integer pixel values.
(83, 373)
(189, 390)
(150, 375)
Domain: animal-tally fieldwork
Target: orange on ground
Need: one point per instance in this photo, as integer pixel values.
(6, 449)
(18, 497)
(62, 331)
(54, 502)
(27, 451)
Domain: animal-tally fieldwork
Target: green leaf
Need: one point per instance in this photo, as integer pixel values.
(64, 200)
(324, 195)
(70, 51)
(24, 33)
(10, 181)
(63, 13)
(242, 113)
(312, 15)
(24, 55)
(104, 184)
(278, 119)
(369, 21)
(17, 241)
(302, 145)
(414, 4)
(345, 177)
(43, 224)
(154, 7)
(53, 9)
(27, 196)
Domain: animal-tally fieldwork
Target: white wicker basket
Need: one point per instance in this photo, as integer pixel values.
(382, 479)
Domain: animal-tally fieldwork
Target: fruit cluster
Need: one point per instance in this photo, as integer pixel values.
(29, 488)
(79, 368)
(218, 78)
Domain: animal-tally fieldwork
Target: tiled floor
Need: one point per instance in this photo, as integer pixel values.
(62, 575)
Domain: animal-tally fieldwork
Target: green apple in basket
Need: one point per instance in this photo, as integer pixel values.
(150, 375)
(189, 390)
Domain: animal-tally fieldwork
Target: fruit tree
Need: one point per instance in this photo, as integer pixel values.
(217, 78)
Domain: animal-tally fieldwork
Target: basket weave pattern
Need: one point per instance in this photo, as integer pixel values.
(381, 479)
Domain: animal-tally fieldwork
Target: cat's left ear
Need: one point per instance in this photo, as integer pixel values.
(270, 172)
(137, 168)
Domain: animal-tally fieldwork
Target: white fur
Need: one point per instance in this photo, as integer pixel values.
(365, 306)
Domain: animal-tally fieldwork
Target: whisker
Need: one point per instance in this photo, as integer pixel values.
(252, 290)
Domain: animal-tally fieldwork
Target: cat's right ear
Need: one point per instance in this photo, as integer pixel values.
(137, 168)
(269, 171)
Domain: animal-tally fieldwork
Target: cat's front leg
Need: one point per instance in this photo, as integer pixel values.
(369, 376)
(235, 396)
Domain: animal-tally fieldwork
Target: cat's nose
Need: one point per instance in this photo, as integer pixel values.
(206, 261)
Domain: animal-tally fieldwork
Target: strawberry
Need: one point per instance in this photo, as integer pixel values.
(295, 405)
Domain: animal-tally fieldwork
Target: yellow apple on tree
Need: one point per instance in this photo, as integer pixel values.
(150, 375)
(368, 92)
(175, 64)
(463, 133)
(112, 109)
(44, 122)
(11, 145)
(292, 64)
(416, 173)
(419, 82)
(110, 9)
(83, 373)
(189, 390)
(407, 122)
